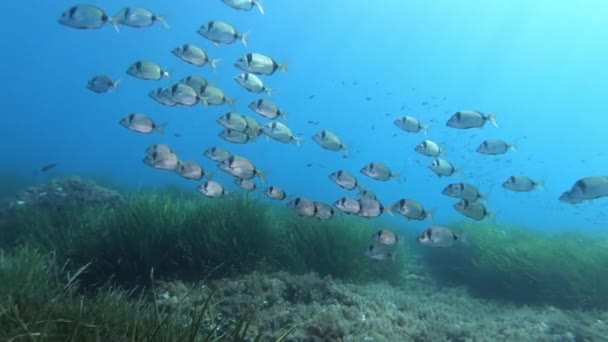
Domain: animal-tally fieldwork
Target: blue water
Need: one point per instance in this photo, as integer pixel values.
(539, 66)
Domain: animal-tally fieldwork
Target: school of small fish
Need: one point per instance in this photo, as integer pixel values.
(238, 128)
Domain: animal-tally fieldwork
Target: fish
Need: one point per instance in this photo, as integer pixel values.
(182, 94)
(194, 55)
(253, 127)
(190, 170)
(494, 147)
(329, 140)
(366, 193)
(303, 206)
(428, 148)
(84, 17)
(141, 123)
(276, 193)
(233, 121)
(102, 84)
(240, 167)
(376, 252)
(586, 189)
(217, 154)
(163, 160)
(48, 167)
(410, 124)
(521, 184)
(197, 83)
(267, 109)
(411, 210)
(259, 64)
(137, 17)
(236, 137)
(464, 191)
(371, 207)
(280, 132)
(442, 167)
(345, 179)
(147, 70)
(244, 5)
(220, 32)
(323, 211)
(160, 96)
(348, 205)
(161, 148)
(385, 237)
(466, 119)
(474, 210)
(378, 171)
(437, 236)
(212, 189)
(252, 83)
(212, 95)
(245, 184)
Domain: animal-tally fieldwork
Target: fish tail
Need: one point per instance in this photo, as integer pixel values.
(388, 210)
(213, 62)
(268, 91)
(283, 67)
(114, 21)
(204, 102)
(244, 38)
(424, 129)
(230, 102)
(261, 175)
(283, 116)
(258, 4)
(512, 147)
(161, 19)
(115, 84)
(539, 184)
(492, 118)
(161, 128)
(166, 74)
(298, 141)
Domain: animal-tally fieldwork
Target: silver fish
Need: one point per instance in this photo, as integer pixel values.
(84, 17)
(410, 124)
(147, 70)
(585, 189)
(442, 167)
(194, 55)
(241, 167)
(280, 132)
(233, 121)
(141, 123)
(160, 148)
(275, 193)
(244, 5)
(160, 96)
(253, 127)
(428, 148)
(411, 210)
(162, 160)
(259, 64)
(197, 83)
(182, 94)
(212, 189)
(252, 83)
(236, 137)
(437, 236)
(494, 147)
(220, 32)
(348, 205)
(137, 17)
(466, 119)
(267, 109)
(371, 208)
(521, 184)
(303, 206)
(378, 171)
(345, 179)
(474, 210)
(385, 237)
(102, 84)
(212, 95)
(377, 252)
(329, 140)
(245, 184)
(217, 154)
(323, 211)
(463, 191)
(190, 170)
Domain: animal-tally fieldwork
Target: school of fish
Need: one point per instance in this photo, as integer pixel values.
(238, 128)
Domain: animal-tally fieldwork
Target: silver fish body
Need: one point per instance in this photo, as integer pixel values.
(244, 5)
(217, 154)
(385, 237)
(245, 184)
(280, 132)
(220, 32)
(437, 236)
(102, 84)
(329, 140)
(252, 83)
(194, 55)
(521, 184)
(212, 189)
(442, 167)
(586, 189)
(140, 123)
(494, 147)
(378, 171)
(137, 17)
(303, 207)
(463, 191)
(474, 210)
(411, 210)
(428, 148)
(267, 109)
(84, 17)
(410, 124)
(466, 119)
(259, 64)
(147, 70)
(276, 193)
(160, 95)
(344, 179)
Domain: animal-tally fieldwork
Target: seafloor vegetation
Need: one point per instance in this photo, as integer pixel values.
(84, 262)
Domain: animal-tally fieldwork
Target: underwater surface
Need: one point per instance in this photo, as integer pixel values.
(248, 170)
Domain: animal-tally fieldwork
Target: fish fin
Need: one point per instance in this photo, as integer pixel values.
(161, 19)
(114, 21)
(213, 62)
(492, 118)
(244, 38)
(258, 4)
(230, 102)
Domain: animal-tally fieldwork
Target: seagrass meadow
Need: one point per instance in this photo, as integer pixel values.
(86, 262)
